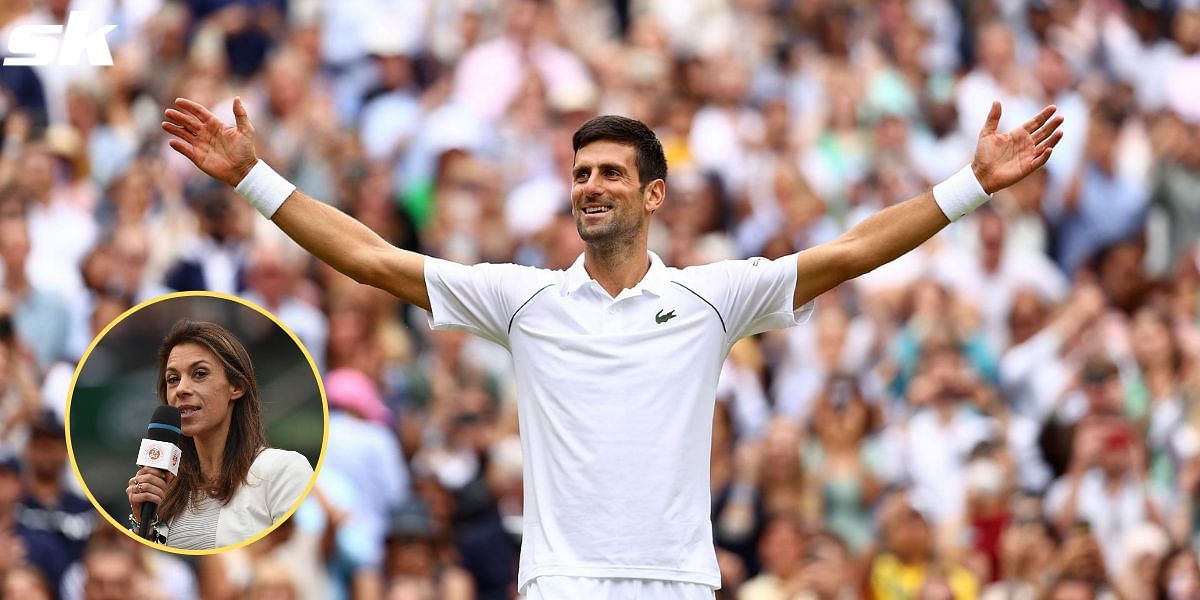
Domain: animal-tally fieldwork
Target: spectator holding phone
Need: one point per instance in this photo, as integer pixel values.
(845, 460)
(1104, 487)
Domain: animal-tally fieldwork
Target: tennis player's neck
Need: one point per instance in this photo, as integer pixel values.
(617, 268)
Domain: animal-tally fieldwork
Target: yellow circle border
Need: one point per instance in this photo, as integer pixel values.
(324, 412)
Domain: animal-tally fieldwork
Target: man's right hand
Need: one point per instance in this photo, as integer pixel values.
(227, 154)
(224, 153)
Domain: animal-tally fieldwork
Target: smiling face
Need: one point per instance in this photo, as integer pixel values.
(196, 384)
(607, 198)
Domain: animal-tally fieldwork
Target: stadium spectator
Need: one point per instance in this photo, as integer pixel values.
(111, 574)
(1025, 548)
(215, 258)
(19, 543)
(38, 316)
(272, 277)
(160, 575)
(845, 461)
(20, 400)
(365, 454)
(47, 504)
(1105, 487)
(1098, 205)
(490, 75)
(25, 582)
(781, 553)
(908, 562)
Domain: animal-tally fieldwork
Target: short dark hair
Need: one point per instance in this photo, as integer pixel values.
(651, 162)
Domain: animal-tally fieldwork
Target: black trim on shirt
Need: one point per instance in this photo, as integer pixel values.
(514, 316)
(710, 304)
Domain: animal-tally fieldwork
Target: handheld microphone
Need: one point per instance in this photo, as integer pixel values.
(160, 450)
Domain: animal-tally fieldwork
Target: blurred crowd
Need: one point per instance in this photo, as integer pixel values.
(1010, 411)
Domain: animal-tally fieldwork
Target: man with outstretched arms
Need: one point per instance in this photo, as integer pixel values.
(617, 356)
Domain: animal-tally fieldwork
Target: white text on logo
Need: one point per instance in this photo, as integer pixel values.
(39, 45)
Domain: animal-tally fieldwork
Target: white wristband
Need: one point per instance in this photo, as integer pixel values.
(960, 194)
(265, 189)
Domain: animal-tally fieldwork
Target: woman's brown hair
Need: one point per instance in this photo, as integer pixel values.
(246, 438)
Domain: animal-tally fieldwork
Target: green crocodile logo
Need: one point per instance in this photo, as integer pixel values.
(660, 318)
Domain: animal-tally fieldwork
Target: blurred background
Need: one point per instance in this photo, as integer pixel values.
(114, 396)
(1010, 411)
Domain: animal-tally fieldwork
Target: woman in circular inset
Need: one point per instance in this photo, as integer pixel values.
(231, 486)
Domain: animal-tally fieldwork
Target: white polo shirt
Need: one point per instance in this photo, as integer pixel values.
(615, 400)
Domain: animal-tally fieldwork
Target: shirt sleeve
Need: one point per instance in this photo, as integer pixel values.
(755, 295)
(480, 299)
(287, 484)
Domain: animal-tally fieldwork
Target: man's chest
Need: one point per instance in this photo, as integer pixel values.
(645, 336)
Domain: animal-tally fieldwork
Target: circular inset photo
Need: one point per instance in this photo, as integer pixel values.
(196, 422)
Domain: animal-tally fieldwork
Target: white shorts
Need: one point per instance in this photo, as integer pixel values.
(562, 587)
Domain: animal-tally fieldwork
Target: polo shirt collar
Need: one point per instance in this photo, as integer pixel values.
(654, 281)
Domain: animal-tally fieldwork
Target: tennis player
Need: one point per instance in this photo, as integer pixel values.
(616, 357)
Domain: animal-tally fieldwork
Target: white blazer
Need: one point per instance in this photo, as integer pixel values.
(275, 482)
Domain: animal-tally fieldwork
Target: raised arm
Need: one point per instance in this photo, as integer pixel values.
(1001, 159)
(227, 154)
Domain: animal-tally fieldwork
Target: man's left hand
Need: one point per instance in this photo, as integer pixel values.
(1002, 159)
